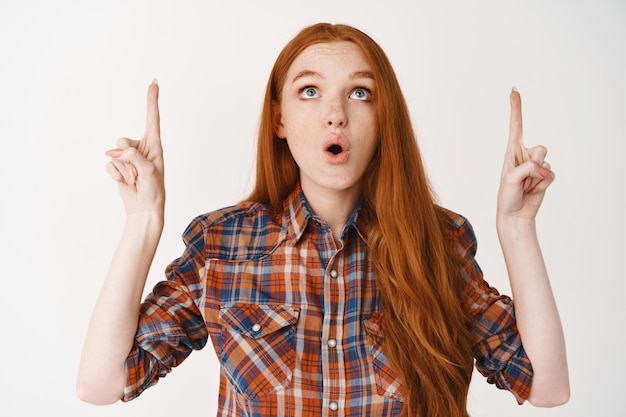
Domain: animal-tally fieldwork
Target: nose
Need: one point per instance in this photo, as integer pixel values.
(336, 116)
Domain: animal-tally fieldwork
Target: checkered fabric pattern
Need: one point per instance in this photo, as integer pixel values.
(295, 320)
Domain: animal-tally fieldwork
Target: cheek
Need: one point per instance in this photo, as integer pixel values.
(291, 124)
(371, 138)
(372, 150)
(298, 149)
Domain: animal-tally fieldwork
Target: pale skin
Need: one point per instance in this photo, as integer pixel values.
(329, 93)
(525, 178)
(137, 167)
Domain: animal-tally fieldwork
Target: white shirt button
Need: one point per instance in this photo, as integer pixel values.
(331, 343)
(334, 273)
(333, 406)
(256, 327)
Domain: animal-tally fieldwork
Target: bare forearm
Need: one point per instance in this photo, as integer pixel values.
(113, 324)
(536, 312)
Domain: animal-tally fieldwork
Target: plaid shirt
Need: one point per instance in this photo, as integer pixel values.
(296, 321)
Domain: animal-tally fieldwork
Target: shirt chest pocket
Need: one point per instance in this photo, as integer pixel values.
(256, 347)
(387, 383)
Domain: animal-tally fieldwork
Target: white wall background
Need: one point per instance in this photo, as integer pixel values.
(73, 77)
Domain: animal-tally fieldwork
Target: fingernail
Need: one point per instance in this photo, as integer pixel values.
(132, 171)
(546, 173)
(130, 180)
(114, 153)
(514, 89)
(155, 81)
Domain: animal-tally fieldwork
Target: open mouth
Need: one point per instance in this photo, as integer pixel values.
(335, 149)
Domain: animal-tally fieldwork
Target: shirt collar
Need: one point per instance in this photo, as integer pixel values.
(297, 214)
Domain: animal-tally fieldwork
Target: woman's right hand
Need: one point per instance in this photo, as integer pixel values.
(137, 165)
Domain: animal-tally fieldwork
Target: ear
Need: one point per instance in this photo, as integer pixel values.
(279, 129)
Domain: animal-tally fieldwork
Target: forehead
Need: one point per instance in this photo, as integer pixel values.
(332, 56)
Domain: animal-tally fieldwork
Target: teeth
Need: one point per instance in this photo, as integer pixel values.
(335, 149)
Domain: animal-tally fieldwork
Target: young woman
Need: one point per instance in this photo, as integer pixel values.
(339, 287)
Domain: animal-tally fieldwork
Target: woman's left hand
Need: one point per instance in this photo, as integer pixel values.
(525, 178)
(525, 174)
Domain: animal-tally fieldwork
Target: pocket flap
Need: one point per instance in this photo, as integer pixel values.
(255, 321)
(374, 324)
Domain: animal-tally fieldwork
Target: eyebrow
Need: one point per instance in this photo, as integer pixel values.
(315, 74)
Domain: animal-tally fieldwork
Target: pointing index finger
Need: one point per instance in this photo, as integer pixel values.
(516, 143)
(153, 120)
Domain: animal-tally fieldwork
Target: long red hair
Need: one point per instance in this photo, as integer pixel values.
(426, 336)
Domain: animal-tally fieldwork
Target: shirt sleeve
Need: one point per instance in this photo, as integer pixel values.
(170, 323)
(497, 349)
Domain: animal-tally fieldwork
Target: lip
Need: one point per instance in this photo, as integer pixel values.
(336, 139)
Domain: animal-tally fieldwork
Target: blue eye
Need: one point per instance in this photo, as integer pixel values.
(361, 93)
(308, 92)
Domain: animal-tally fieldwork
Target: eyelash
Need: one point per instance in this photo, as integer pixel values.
(305, 89)
(367, 91)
